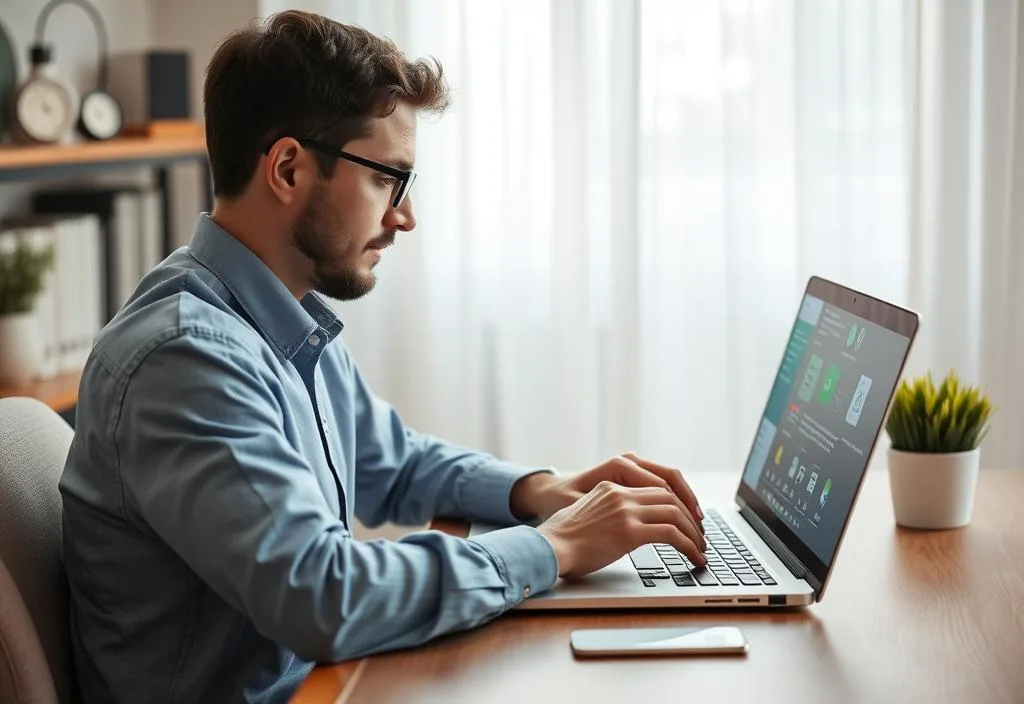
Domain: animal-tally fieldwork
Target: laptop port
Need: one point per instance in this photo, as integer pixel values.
(748, 600)
(718, 601)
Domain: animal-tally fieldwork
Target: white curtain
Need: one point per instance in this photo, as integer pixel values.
(966, 180)
(621, 209)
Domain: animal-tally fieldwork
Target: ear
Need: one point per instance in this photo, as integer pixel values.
(289, 170)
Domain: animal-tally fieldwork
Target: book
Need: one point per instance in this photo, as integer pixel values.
(130, 219)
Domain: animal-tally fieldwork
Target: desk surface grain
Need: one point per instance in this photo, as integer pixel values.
(909, 616)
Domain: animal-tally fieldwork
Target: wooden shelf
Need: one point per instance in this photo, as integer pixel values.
(59, 393)
(19, 164)
(15, 159)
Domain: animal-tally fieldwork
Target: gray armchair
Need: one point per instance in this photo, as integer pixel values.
(35, 656)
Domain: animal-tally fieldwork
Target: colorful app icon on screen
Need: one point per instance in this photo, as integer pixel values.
(829, 385)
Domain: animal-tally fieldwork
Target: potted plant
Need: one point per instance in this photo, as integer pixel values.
(23, 271)
(936, 433)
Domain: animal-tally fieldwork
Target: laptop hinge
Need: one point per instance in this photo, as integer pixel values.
(778, 547)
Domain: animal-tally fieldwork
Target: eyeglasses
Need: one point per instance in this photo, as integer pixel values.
(404, 179)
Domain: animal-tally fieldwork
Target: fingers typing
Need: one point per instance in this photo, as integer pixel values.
(662, 514)
(672, 477)
(655, 496)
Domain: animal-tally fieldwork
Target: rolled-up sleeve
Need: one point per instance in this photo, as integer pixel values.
(205, 466)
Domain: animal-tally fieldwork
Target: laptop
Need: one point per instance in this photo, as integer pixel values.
(777, 544)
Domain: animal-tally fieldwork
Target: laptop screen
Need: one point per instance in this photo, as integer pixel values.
(823, 416)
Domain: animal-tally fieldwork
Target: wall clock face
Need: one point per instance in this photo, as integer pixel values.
(44, 110)
(101, 116)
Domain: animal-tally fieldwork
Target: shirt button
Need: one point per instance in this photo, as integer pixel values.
(325, 426)
(314, 339)
(526, 592)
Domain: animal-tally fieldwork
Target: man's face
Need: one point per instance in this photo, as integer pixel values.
(349, 219)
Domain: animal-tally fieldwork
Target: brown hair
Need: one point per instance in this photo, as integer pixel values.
(305, 76)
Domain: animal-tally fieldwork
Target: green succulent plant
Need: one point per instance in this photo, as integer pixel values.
(947, 418)
(22, 275)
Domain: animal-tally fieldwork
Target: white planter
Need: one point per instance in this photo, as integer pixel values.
(21, 348)
(933, 490)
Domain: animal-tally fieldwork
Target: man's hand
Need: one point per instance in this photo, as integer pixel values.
(612, 520)
(593, 518)
(542, 494)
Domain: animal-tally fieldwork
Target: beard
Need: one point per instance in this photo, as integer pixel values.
(334, 275)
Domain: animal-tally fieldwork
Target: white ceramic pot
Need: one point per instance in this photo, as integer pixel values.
(21, 348)
(933, 490)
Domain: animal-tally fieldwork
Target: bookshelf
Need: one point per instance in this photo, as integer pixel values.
(52, 163)
(20, 164)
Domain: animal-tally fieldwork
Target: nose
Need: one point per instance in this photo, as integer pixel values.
(401, 218)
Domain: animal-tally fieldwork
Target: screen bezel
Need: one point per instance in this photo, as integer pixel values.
(901, 321)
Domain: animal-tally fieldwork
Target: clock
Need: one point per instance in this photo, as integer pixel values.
(100, 116)
(45, 105)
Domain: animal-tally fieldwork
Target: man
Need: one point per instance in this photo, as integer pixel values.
(226, 439)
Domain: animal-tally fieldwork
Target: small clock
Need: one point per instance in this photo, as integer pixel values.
(100, 116)
(45, 106)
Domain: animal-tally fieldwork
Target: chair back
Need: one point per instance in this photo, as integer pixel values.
(35, 651)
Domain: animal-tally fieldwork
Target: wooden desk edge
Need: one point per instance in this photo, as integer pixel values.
(336, 681)
(59, 392)
(332, 683)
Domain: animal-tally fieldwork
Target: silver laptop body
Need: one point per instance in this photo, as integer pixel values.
(777, 544)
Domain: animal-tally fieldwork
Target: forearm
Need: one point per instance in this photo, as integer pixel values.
(381, 595)
(300, 577)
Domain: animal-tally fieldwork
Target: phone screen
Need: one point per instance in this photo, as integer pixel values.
(712, 640)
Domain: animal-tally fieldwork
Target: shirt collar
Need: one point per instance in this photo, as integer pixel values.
(284, 321)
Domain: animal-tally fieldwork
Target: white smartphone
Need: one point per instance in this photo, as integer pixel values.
(714, 640)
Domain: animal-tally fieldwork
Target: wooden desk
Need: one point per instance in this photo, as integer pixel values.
(909, 616)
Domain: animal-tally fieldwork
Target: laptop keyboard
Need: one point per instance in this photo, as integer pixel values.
(730, 562)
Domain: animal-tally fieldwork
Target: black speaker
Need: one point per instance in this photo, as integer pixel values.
(167, 81)
(154, 90)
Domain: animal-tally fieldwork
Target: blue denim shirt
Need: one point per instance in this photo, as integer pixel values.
(224, 439)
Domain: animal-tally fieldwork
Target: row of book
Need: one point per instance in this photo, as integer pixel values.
(104, 241)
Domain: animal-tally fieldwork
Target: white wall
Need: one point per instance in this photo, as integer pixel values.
(128, 24)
